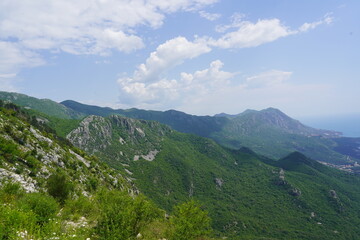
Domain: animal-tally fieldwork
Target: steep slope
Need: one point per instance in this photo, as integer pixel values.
(46, 106)
(52, 190)
(248, 197)
(29, 156)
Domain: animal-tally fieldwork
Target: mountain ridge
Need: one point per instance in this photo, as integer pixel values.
(268, 132)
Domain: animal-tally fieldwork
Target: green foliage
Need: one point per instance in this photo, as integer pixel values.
(10, 191)
(14, 221)
(122, 217)
(189, 222)
(47, 106)
(81, 206)
(59, 186)
(268, 132)
(44, 207)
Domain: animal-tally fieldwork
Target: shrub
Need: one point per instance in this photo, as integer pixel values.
(10, 191)
(44, 207)
(59, 187)
(82, 206)
(122, 217)
(189, 222)
(14, 220)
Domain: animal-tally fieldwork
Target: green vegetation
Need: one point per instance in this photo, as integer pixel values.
(60, 191)
(190, 222)
(106, 215)
(46, 106)
(247, 196)
(51, 190)
(59, 187)
(268, 132)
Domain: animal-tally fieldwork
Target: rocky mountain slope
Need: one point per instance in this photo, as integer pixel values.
(29, 156)
(52, 190)
(248, 196)
(269, 132)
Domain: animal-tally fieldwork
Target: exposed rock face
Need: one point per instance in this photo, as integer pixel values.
(151, 155)
(29, 184)
(219, 182)
(119, 139)
(333, 194)
(83, 136)
(281, 179)
(295, 192)
(36, 155)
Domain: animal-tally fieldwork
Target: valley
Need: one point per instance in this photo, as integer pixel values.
(249, 193)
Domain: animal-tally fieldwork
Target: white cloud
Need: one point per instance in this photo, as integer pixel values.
(167, 55)
(78, 27)
(172, 93)
(249, 34)
(271, 89)
(267, 79)
(236, 21)
(209, 16)
(85, 26)
(253, 34)
(327, 19)
(13, 58)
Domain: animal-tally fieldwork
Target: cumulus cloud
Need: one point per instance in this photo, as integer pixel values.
(249, 34)
(78, 27)
(209, 16)
(170, 93)
(85, 26)
(167, 55)
(253, 34)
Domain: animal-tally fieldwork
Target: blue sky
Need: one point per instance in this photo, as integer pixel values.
(202, 56)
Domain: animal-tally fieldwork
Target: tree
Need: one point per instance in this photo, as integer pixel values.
(59, 187)
(189, 222)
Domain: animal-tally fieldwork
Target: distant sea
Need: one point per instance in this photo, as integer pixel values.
(349, 125)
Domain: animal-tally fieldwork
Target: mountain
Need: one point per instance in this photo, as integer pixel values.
(274, 134)
(269, 132)
(30, 153)
(247, 196)
(199, 125)
(46, 106)
(51, 190)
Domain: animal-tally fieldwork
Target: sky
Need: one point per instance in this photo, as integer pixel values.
(198, 56)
